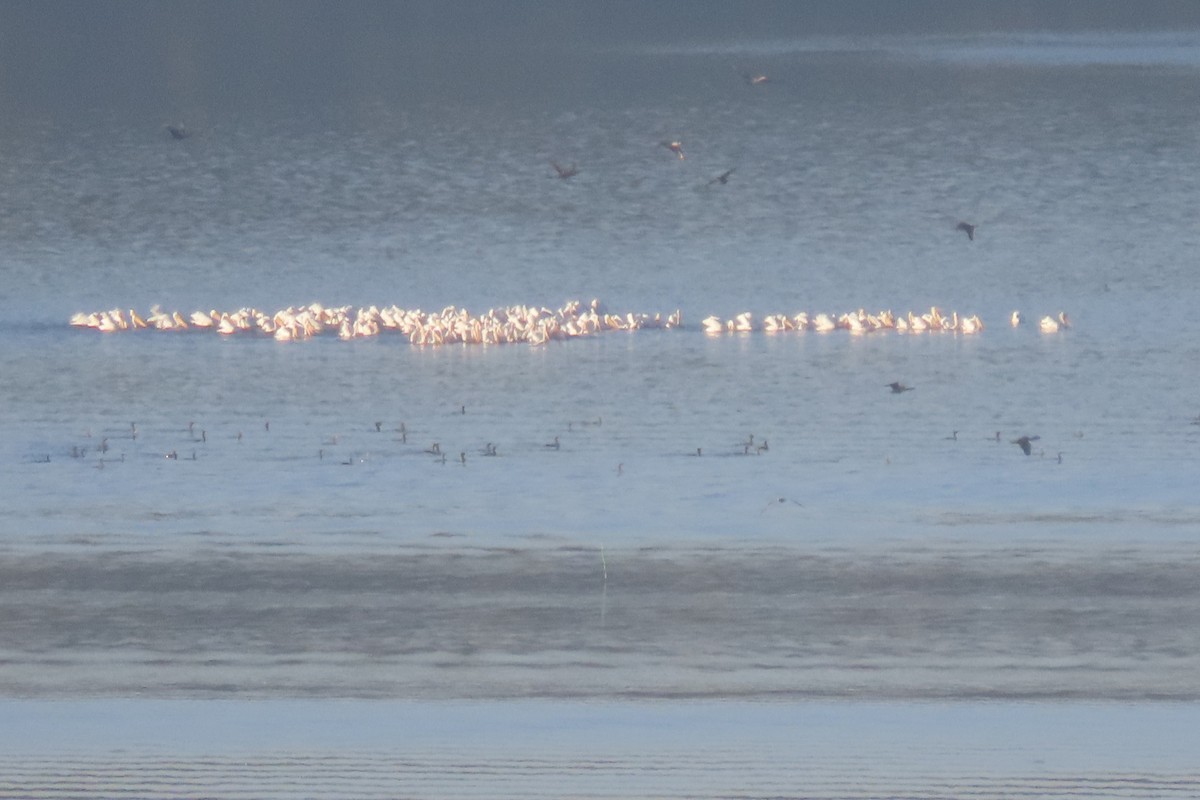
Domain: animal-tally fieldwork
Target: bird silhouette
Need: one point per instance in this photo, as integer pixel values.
(722, 179)
(1026, 443)
(968, 228)
(898, 387)
(565, 172)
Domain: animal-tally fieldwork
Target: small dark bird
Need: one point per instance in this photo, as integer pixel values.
(780, 501)
(565, 172)
(178, 132)
(722, 179)
(1026, 443)
(554, 445)
(968, 228)
(898, 387)
(675, 146)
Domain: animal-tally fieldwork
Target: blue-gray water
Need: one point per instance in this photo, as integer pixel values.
(293, 552)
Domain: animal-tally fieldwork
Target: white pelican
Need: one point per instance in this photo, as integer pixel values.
(1015, 319)
(1048, 325)
(713, 324)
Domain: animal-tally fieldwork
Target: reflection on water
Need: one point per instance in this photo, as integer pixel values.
(535, 750)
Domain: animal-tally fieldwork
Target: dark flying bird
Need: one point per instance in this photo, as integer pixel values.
(968, 228)
(722, 179)
(1026, 443)
(565, 172)
(898, 387)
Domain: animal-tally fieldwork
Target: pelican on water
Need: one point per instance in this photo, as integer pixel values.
(1052, 325)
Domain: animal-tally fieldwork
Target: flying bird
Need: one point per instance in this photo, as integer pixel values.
(968, 228)
(1026, 443)
(565, 172)
(722, 179)
(898, 387)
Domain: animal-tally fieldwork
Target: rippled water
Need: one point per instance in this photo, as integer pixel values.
(302, 543)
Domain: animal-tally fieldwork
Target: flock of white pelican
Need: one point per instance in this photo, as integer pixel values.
(857, 322)
(512, 324)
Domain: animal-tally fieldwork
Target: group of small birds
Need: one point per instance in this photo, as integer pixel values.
(1024, 442)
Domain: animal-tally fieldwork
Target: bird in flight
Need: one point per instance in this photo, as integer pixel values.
(967, 228)
(565, 172)
(1026, 443)
(898, 387)
(722, 179)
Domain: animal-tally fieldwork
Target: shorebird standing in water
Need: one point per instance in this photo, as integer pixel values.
(1026, 443)
(898, 387)
(565, 172)
(675, 146)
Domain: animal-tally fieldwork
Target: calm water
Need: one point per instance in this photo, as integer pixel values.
(303, 545)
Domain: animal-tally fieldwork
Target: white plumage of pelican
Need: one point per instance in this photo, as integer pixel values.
(1015, 319)
(1048, 325)
(713, 324)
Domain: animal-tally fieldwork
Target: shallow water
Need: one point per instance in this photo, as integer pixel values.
(301, 546)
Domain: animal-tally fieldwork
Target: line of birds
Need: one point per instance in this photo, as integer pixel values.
(517, 323)
(199, 436)
(512, 324)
